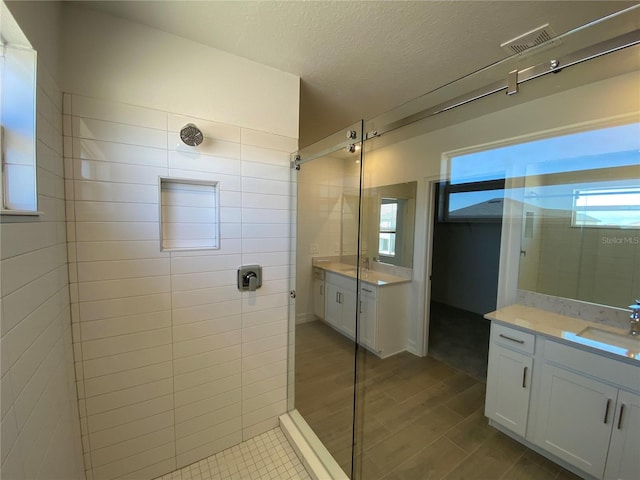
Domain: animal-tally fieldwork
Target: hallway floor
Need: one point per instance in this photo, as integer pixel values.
(459, 338)
(265, 457)
(417, 418)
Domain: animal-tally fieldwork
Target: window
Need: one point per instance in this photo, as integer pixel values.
(18, 189)
(481, 201)
(388, 225)
(606, 207)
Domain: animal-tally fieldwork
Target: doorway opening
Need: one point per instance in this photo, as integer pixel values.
(467, 224)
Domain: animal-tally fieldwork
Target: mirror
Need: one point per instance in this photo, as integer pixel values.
(581, 217)
(387, 228)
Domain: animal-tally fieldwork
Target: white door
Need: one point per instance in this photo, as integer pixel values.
(575, 418)
(333, 308)
(623, 462)
(368, 318)
(508, 388)
(349, 308)
(318, 297)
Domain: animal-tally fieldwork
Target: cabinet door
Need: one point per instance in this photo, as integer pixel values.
(368, 319)
(623, 462)
(318, 297)
(508, 388)
(349, 308)
(333, 308)
(575, 418)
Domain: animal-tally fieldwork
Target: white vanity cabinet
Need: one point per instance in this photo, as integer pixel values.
(623, 461)
(340, 306)
(586, 416)
(580, 407)
(509, 377)
(368, 316)
(381, 312)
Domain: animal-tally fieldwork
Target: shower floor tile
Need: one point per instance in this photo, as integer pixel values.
(265, 457)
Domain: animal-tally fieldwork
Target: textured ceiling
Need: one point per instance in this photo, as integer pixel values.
(360, 58)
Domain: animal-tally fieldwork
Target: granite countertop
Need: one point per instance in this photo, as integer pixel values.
(371, 277)
(568, 329)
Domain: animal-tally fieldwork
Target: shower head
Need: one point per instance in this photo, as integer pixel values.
(191, 135)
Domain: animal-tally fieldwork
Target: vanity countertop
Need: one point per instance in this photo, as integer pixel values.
(371, 277)
(570, 330)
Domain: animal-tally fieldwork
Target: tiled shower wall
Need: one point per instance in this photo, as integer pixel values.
(40, 430)
(173, 362)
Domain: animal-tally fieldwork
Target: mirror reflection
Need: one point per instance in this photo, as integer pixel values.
(581, 217)
(388, 220)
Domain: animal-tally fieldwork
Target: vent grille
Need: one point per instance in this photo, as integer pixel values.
(534, 38)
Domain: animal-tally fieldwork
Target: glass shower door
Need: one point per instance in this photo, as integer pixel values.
(323, 321)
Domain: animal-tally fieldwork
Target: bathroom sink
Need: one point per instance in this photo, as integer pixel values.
(611, 338)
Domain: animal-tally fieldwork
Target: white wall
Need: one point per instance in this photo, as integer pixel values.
(176, 364)
(113, 59)
(40, 428)
(39, 409)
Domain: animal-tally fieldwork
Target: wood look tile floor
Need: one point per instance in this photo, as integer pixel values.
(416, 418)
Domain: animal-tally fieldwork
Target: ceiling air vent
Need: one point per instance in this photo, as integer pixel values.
(537, 36)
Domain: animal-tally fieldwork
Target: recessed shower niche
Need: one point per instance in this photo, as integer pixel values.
(189, 214)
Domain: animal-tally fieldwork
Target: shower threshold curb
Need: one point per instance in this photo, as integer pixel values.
(313, 454)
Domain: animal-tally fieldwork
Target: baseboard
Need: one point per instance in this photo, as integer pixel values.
(305, 318)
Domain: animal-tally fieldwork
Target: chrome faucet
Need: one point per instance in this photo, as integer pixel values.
(634, 323)
(365, 265)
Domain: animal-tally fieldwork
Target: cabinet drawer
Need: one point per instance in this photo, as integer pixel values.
(513, 338)
(341, 282)
(598, 366)
(369, 291)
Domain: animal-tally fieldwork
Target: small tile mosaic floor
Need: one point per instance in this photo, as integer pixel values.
(265, 457)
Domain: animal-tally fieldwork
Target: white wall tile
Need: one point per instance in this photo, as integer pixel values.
(206, 359)
(198, 162)
(168, 333)
(208, 421)
(87, 149)
(209, 129)
(116, 212)
(208, 404)
(129, 396)
(118, 132)
(206, 390)
(120, 269)
(130, 413)
(118, 231)
(129, 287)
(118, 381)
(270, 187)
(90, 170)
(125, 361)
(124, 307)
(92, 330)
(117, 112)
(200, 313)
(132, 464)
(269, 140)
(205, 344)
(125, 343)
(210, 146)
(193, 330)
(208, 435)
